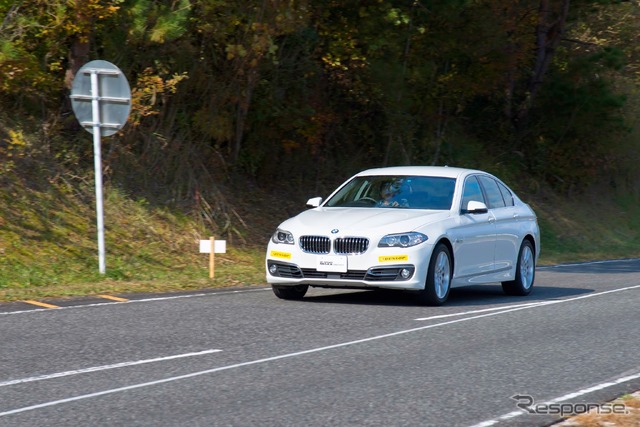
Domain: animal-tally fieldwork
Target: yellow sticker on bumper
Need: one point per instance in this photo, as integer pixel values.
(278, 254)
(393, 258)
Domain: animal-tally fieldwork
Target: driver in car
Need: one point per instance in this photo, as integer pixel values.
(388, 196)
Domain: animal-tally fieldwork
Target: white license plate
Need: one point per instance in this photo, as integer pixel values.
(330, 263)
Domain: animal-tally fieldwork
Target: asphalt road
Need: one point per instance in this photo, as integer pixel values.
(337, 358)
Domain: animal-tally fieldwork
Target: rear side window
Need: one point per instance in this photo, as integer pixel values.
(506, 194)
(493, 192)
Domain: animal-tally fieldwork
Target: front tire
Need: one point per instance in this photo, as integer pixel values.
(290, 292)
(438, 283)
(525, 272)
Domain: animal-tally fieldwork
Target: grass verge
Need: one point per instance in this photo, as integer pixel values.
(48, 247)
(48, 240)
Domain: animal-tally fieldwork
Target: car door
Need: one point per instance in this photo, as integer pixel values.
(500, 203)
(474, 236)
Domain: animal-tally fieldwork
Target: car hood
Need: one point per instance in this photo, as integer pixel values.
(361, 221)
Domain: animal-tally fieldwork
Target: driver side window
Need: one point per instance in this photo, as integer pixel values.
(472, 192)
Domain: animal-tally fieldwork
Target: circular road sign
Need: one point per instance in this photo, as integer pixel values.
(101, 97)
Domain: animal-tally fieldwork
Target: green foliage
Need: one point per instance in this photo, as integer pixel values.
(578, 117)
(317, 90)
(35, 36)
(158, 22)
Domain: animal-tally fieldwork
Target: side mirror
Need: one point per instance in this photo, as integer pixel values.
(475, 207)
(314, 202)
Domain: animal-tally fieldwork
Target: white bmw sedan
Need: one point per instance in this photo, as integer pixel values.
(416, 228)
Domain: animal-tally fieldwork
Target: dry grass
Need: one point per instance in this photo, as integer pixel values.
(593, 419)
(48, 247)
(591, 228)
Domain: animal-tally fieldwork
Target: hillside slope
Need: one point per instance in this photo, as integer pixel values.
(48, 238)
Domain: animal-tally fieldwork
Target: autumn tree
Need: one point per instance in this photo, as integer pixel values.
(318, 89)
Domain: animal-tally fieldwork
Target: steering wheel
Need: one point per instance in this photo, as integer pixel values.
(367, 199)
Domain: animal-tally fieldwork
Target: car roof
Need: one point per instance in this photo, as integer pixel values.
(439, 171)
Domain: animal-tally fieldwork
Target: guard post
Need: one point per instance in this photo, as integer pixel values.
(212, 247)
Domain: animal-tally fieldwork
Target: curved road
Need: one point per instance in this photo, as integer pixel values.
(337, 358)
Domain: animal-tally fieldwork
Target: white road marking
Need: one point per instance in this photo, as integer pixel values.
(544, 267)
(103, 368)
(602, 386)
(484, 310)
(101, 304)
(577, 264)
(530, 305)
(285, 356)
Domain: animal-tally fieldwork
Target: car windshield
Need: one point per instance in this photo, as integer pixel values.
(408, 192)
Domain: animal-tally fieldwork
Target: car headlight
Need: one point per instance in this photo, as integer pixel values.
(282, 236)
(402, 240)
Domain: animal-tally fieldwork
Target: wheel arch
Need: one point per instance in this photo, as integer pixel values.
(532, 240)
(444, 240)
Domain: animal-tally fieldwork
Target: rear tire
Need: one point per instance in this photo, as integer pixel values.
(525, 272)
(438, 284)
(290, 292)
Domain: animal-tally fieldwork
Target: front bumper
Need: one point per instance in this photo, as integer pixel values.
(389, 268)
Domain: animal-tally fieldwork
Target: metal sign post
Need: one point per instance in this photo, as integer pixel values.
(101, 100)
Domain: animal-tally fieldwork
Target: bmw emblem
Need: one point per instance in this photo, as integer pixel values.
(334, 231)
